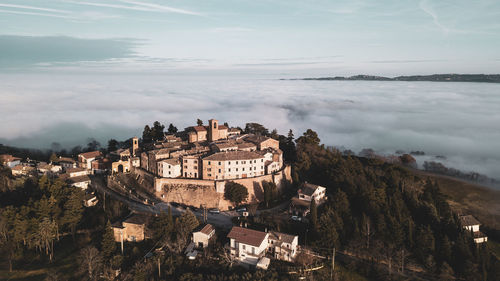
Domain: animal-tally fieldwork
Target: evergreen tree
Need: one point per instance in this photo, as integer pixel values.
(73, 210)
(146, 135)
(199, 122)
(235, 192)
(112, 145)
(108, 244)
(172, 129)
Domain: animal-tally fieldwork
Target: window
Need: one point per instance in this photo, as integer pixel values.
(185, 167)
(243, 247)
(236, 169)
(209, 175)
(219, 170)
(196, 161)
(229, 170)
(243, 162)
(261, 160)
(254, 168)
(195, 167)
(185, 161)
(255, 161)
(208, 162)
(169, 173)
(243, 169)
(209, 169)
(220, 163)
(236, 162)
(229, 163)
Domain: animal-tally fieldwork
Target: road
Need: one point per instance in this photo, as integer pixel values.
(223, 219)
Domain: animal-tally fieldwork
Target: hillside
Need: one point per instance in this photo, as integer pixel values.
(469, 198)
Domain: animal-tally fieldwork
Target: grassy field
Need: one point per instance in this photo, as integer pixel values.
(469, 198)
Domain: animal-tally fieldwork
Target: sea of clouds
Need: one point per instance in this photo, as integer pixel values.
(460, 121)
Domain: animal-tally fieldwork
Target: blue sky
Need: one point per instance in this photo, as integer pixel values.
(279, 36)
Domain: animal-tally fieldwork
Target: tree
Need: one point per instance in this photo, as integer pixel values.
(112, 145)
(256, 128)
(314, 215)
(93, 145)
(73, 210)
(199, 122)
(46, 235)
(108, 244)
(157, 131)
(146, 135)
(90, 262)
(235, 192)
(309, 137)
(172, 129)
(188, 221)
(53, 157)
(267, 193)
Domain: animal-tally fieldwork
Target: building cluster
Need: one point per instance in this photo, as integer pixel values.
(245, 245)
(213, 152)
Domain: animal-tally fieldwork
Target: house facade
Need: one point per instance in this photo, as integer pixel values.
(9, 160)
(202, 237)
(132, 229)
(247, 245)
(85, 159)
(283, 246)
(471, 224)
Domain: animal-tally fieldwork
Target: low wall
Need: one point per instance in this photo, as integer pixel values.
(196, 192)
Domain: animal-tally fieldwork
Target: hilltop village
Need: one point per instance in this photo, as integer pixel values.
(213, 201)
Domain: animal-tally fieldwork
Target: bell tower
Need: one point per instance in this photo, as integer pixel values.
(213, 130)
(135, 146)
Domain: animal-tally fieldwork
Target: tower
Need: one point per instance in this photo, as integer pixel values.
(135, 146)
(213, 130)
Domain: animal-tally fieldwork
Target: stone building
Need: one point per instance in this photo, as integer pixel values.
(233, 165)
(169, 168)
(132, 229)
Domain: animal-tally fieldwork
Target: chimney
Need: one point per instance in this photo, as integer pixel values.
(266, 229)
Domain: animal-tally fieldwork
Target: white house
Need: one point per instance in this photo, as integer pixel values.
(169, 168)
(470, 223)
(90, 200)
(283, 246)
(9, 160)
(22, 170)
(202, 237)
(308, 192)
(247, 245)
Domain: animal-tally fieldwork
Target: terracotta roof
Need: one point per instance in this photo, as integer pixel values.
(8, 158)
(225, 144)
(207, 229)
(74, 170)
(66, 159)
(199, 128)
(171, 161)
(246, 145)
(91, 154)
(247, 236)
(222, 127)
(233, 155)
(308, 189)
(468, 220)
(282, 237)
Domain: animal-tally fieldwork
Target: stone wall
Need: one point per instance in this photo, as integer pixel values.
(196, 192)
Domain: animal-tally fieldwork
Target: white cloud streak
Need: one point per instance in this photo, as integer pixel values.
(424, 6)
(34, 8)
(161, 7)
(35, 14)
(139, 6)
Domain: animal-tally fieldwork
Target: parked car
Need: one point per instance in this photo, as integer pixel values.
(296, 218)
(214, 211)
(242, 209)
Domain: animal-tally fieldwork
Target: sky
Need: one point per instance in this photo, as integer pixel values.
(286, 37)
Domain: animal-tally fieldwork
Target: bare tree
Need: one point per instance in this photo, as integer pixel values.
(90, 262)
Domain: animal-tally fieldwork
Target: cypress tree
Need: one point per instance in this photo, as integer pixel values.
(108, 245)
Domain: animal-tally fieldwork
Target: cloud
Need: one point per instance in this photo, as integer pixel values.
(34, 8)
(424, 6)
(456, 120)
(404, 61)
(139, 6)
(230, 29)
(35, 14)
(22, 51)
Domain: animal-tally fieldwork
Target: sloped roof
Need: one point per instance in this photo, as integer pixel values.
(308, 189)
(207, 229)
(468, 220)
(8, 158)
(83, 178)
(233, 155)
(282, 237)
(74, 170)
(90, 154)
(247, 236)
(199, 128)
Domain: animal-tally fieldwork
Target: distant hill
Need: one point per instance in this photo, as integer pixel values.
(484, 78)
